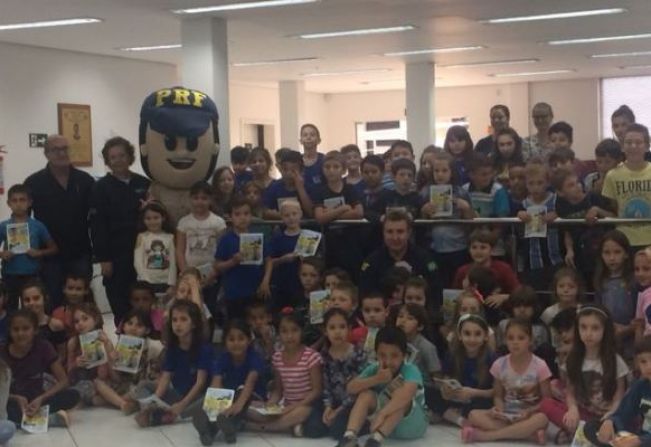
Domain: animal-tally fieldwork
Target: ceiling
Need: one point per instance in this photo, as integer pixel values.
(439, 23)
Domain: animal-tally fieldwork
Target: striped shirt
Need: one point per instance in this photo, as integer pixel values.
(295, 378)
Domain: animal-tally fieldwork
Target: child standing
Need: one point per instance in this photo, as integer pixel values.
(468, 362)
(627, 184)
(280, 281)
(154, 255)
(540, 255)
(223, 189)
(291, 185)
(412, 320)
(614, 285)
(342, 362)
(353, 160)
(25, 241)
(239, 282)
(643, 280)
(372, 172)
(185, 368)
(596, 374)
(392, 390)
(521, 381)
(507, 153)
(458, 144)
(632, 408)
(29, 357)
(197, 233)
(312, 159)
(403, 171)
(567, 291)
(608, 154)
(260, 164)
(238, 368)
(239, 165)
(449, 242)
(298, 381)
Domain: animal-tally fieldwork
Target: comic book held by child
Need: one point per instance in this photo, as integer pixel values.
(307, 243)
(318, 300)
(92, 349)
(441, 197)
(216, 401)
(536, 227)
(129, 350)
(38, 422)
(251, 248)
(18, 238)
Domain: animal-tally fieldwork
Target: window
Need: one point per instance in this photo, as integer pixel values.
(635, 92)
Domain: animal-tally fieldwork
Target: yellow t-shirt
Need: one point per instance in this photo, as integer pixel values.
(632, 192)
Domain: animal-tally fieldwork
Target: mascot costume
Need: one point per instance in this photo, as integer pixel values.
(179, 144)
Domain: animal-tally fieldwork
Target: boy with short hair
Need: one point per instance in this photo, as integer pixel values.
(239, 282)
(561, 136)
(336, 199)
(581, 243)
(398, 150)
(344, 296)
(240, 165)
(404, 196)
(372, 172)
(622, 428)
(416, 291)
(481, 244)
(629, 184)
(353, 161)
(290, 186)
(391, 390)
(25, 241)
(608, 154)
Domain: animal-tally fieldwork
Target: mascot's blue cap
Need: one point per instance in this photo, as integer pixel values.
(178, 111)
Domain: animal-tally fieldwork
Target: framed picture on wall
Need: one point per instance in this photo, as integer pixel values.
(75, 125)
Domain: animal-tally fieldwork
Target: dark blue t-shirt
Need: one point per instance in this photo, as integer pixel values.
(3, 329)
(278, 190)
(469, 373)
(234, 376)
(241, 281)
(242, 179)
(285, 280)
(184, 369)
(313, 175)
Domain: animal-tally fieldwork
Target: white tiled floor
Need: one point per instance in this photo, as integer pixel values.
(100, 427)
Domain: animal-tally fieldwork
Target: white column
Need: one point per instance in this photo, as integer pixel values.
(292, 112)
(421, 120)
(205, 68)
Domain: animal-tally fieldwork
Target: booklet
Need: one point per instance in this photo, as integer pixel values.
(536, 227)
(450, 297)
(307, 243)
(216, 401)
(205, 269)
(129, 350)
(153, 401)
(92, 349)
(579, 437)
(38, 422)
(318, 300)
(251, 248)
(269, 409)
(334, 202)
(18, 238)
(441, 197)
(369, 343)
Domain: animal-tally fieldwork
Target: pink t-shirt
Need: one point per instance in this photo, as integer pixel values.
(643, 301)
(521, 391)
(295, 378)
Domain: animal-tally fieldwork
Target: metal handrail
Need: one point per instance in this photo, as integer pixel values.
(479, 221)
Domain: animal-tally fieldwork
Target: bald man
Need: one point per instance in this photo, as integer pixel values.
(61, 198)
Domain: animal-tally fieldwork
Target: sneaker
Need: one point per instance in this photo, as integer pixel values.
(372, 442)
(228, 427)
(297, 431)
(59, 419)
(348, 441)
(204, 428)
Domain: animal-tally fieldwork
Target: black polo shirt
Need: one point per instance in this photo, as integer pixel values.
(64, 211)
(114, 213)
(375, 267)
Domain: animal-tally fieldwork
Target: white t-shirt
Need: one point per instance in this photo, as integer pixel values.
(549, 313)
(201, 237)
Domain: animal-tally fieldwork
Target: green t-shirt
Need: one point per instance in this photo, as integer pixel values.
(408, 373)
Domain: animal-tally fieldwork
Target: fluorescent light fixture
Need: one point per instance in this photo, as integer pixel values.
(153, 47)
(239, 6)
(556, 15)
(632, 67)
(346, 72)
(274, 61)
(492, 63)
(358, 32)
(599, 39)
(530, 73)
(435, 51)
(629, 54)
(49, 23)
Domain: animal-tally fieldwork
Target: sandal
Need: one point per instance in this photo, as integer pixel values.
(562, 438)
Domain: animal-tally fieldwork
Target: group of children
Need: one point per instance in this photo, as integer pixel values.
(499, 359)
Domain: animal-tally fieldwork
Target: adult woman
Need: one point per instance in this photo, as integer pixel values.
(115, 204)
(538, 144)
(500, 116)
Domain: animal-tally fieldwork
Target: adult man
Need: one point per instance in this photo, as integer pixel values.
(60, 199)
(398, 251)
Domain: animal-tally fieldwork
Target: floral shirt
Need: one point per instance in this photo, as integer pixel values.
(336, 375)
